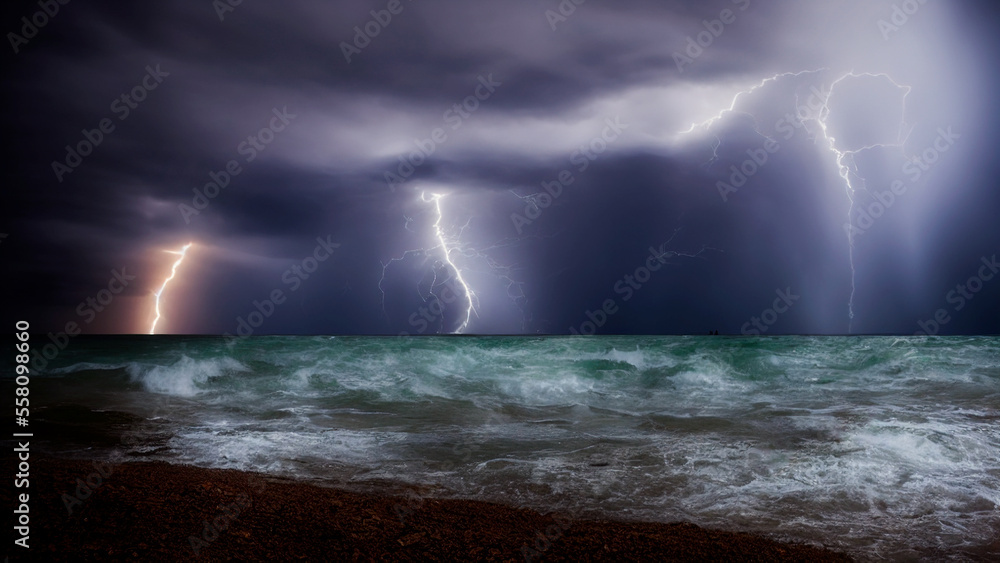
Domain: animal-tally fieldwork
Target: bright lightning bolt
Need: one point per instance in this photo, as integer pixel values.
(732, 107)
(173, 272)
(844, 159)
(846, 162)
(454, 258)
(447, 247)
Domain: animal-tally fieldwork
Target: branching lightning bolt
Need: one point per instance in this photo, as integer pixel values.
(447, 244)
(452, 255)
(681, 254)
(447, 247)
(845, 159)
(173, 272)
(846, 162)
(707, 124)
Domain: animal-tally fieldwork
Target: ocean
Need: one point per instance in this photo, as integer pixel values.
(883, 447)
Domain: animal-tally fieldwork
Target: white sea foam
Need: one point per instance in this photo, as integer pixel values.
(184, 377)
(876, 446)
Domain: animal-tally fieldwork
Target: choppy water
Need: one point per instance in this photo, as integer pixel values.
(885, 447)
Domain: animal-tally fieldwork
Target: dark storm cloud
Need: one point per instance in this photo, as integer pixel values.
(553, 92)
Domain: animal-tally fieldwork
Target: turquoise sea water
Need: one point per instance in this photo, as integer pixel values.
(886, 447)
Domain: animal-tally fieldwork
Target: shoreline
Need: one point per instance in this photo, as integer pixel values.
(157, 510)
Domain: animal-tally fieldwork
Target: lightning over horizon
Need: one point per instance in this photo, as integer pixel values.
(846, 169)
(728, 270)
(844, 159)
(173, 272)
(446, 245)
(453, 258)
(498, 193)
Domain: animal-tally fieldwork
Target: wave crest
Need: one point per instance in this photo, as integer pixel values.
(184, 378)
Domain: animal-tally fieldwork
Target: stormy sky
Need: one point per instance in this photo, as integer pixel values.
(423, 167)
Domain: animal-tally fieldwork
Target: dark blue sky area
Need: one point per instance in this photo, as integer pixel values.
(518, 167)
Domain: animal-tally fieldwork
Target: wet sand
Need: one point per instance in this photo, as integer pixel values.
(158, 511)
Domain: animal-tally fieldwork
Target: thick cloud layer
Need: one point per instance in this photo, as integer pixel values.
(484, 167)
